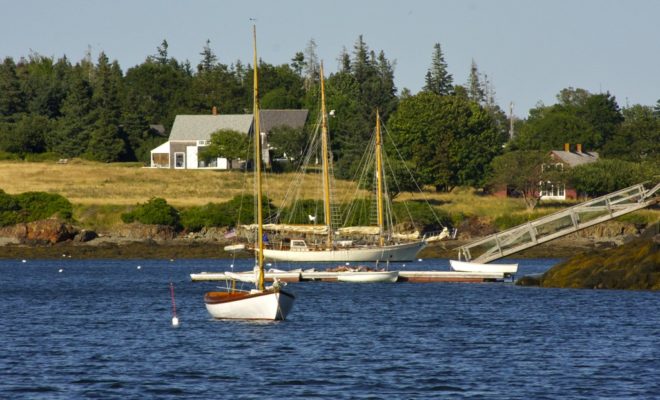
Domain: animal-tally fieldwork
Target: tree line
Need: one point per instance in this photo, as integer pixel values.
(448, 133)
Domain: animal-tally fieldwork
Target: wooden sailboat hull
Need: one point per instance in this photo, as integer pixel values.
(270, 305)
(464, 266)
(398, 252)
(368, 276)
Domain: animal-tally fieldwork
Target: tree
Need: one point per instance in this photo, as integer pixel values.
(287, 141)
(475, 88)
(105, 142)
(638, 137)
(522, 171)
(71, 136)
(606, 176)
(451, 140)
(438, 79)
(11, 96)
(209, 59)
(229, 144)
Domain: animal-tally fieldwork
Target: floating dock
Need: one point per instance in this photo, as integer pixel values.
(326, 276)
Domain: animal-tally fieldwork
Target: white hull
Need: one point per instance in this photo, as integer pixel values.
(398, 252)
(464, 266)
(268, 305)
(368, 276)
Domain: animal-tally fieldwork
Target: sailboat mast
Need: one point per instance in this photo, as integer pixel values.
(325, 163)
(257, 168)
(379, 179)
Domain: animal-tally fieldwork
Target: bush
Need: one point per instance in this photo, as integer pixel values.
(606, 176)
(154, 212)
(239, 210)
(4, 156)
(40, 205)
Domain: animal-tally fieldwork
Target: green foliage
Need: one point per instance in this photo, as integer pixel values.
(606, 176)
(227, 143)
(299, 212)
(438, 79)
(507, 221)
(638, 137)
(289, 141)
(154, 212)
(41, 157)
(522, 171)
(237, 211)
(32, 206)
(450, 139)
(580, 117)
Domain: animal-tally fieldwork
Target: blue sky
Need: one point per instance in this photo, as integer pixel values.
(530, 50)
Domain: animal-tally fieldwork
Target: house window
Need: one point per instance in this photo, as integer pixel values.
(202, 142)
(179, 160)
(551, 190)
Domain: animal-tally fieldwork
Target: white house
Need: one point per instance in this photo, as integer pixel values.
(190, 133)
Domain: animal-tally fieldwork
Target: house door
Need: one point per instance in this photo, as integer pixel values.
(179, 160)
(191, 154)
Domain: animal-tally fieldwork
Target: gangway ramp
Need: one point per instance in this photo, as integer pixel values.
(559, 224)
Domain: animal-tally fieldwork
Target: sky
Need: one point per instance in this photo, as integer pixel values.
(529, 49)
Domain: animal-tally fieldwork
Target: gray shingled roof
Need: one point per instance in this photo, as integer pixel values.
(573, 158)
(292, 118)
(200, 127)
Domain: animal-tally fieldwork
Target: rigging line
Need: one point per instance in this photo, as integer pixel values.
(411, 176)
(294, 189)
(360, 177)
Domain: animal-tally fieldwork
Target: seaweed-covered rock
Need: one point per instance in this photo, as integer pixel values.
(635, 265)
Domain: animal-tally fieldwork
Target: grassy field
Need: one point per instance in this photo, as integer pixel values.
(101, 192)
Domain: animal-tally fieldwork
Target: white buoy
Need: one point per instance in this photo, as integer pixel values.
(61, 270)
(419, 259)
(348, 263)
(171, 260)
(175, 322)
(24, 261)
(139, 267)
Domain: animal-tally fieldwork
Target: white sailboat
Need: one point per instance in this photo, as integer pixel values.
(334, 249)
(262, 303)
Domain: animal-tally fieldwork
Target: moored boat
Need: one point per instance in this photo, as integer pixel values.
(464, 266)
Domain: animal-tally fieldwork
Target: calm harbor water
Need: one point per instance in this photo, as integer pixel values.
(102, 329)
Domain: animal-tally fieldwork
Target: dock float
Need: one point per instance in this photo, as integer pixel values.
(326, 276)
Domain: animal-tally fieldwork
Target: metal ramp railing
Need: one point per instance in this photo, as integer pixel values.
(559, 224)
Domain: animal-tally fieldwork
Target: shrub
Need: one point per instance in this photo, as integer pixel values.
(154, 212)
(40, 205)
(239, 210)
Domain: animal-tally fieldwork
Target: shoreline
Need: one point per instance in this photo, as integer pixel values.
(205, 249)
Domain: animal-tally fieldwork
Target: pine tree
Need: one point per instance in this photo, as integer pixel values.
(209, 59)
(11, 96)
(438, 80)
(105, 142)
(475, 88)
(71, 137)
(311, 65)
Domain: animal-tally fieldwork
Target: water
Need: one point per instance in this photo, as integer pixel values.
(102, 329)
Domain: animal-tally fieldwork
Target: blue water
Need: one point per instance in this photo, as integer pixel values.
(102, 329)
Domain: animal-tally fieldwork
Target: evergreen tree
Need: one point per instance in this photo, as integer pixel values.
(438, 79)
(161, 56)
(475, 88)
(71, 137)
(105, 142)
(11, 96)
(209, 59)
(311, 65)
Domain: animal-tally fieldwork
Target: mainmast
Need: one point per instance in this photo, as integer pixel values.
(379, 180)
(325, 163)
(257, 168)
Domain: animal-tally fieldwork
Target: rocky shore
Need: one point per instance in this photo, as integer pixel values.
(52, 238)
(633, 265)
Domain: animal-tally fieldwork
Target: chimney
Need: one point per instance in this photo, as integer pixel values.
(567, 147)
(214, 110)
(579, 147)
